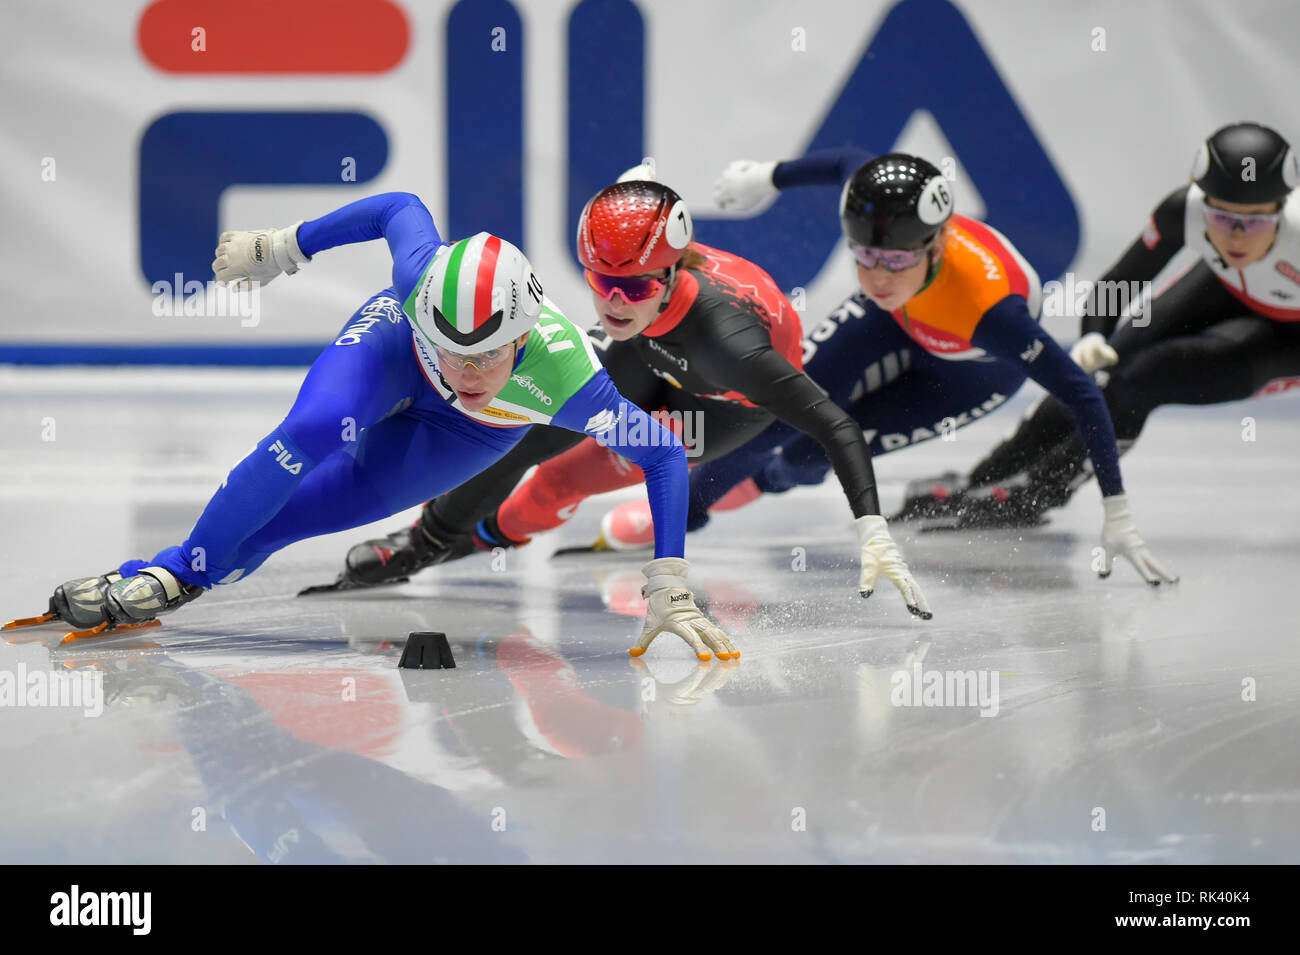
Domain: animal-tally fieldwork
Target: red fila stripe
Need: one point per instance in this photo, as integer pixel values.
(487, 267)
(287, 36)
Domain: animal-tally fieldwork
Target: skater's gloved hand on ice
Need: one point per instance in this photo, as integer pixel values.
(259, 255)
(1092, 352)
(1119, 537)
(880, 555)
(670, 607)
(744, 184)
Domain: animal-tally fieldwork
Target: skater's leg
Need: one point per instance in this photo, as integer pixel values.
(1048, 423)
(550, 496)
(353, 384)
(932, 398)
(1191, 304)
(1228, 361)
(400, 462)
(712, 481)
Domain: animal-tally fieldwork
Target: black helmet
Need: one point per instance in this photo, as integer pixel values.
(894, 202)
(1246, 163)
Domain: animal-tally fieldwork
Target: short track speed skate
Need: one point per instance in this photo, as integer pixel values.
(111, 604)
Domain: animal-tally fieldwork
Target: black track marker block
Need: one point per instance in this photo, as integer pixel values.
(427, 651)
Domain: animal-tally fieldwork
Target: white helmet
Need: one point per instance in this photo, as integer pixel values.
(477, 294)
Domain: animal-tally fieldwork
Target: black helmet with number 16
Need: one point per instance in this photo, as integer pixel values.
(895, 201)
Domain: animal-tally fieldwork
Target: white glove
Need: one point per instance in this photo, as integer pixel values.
(642, 172)
(1091, 352)
(744, 184)
(1119, 537)
(671, 606)
(880, 555)
(258, 256)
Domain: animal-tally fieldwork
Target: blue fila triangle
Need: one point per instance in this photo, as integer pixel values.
(923, 57)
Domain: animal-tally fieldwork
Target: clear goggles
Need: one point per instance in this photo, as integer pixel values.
(483, 361)
(894, 260)
(1254, 224)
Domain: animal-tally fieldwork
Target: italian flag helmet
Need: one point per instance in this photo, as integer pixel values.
(477, 294)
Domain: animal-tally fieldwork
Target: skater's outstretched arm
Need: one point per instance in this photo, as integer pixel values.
(399, 218)
(1009, 332)
(823, 167)
(1142, 261)
(739, 353)
(746, 183)
(600, 411)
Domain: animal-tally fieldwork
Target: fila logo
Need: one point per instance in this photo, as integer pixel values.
(283, 457)
(1032, 352)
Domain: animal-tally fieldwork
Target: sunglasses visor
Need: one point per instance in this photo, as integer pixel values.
(633, 289)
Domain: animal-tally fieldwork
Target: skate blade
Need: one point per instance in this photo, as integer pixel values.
(104, 630)
(595, 547)
(583, 549)
(939, 525)
(601, 546)
(339, 586)
(22, 622)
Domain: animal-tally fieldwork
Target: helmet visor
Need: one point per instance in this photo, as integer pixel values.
(483, 361)
(1249, 224)
(894, 260)
(634, 289)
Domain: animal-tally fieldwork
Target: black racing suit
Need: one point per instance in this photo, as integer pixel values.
(1213, 334)
(727, 345)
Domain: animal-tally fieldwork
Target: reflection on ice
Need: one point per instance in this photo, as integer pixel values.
(253, 726)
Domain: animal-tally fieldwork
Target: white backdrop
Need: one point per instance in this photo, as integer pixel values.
(1120, 126)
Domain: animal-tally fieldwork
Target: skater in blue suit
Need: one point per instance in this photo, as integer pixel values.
(429, 382)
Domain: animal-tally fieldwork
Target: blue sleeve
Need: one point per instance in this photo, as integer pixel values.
(599, 411)
(400, 218)
(1008, 332)
(825, 167)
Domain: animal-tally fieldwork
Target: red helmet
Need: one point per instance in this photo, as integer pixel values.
(631, 228)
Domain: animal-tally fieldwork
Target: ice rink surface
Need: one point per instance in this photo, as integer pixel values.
(1130, 724)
